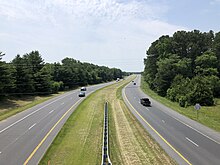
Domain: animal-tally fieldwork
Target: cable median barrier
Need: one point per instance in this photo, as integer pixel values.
(105, 153)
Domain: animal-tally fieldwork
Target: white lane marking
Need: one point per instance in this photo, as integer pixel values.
(147, 109)
(32, 126)
(194, 129)
(163, 121)
(31, 114)
(62, 103)
(191, 127)
(0, 152)
(51, 111)
(192, 142)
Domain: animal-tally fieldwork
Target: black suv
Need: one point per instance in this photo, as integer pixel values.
(145, 101)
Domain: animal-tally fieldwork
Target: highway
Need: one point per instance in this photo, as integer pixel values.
(25, 137)
(185, 140)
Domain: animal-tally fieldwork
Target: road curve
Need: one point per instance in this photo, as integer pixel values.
(187, 141)
(25, 137)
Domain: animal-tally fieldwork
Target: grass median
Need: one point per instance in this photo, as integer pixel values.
(207, 115)
(80, 140)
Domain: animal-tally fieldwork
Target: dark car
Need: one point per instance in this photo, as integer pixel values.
(83, 89)
(145, 101)
(82, 94)
(134, 83)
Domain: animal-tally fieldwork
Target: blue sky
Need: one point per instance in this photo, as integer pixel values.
(114, 33)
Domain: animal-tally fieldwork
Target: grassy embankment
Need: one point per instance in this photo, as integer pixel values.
(80, 140)
(14, 105)
(208, 115)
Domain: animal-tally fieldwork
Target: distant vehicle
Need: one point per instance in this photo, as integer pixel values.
(118, 79)
(82, 94)
(83, 89)
(132, 80)
(134, 83)
(145, 101)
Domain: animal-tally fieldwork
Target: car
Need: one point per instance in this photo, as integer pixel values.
(145, 101)
(83, 89)
(134, 83)
(82, 94)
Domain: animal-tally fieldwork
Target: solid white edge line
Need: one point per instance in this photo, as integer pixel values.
(151, 127)
(195, 129)
(188, 125)
(192, 142)
(31, 114)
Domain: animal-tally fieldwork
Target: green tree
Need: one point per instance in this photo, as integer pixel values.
(7, 79)
(206, 64)
(43, 83)
(178, 88)
(34, 63)
(165, 73)
(24, 76)
(200, 91)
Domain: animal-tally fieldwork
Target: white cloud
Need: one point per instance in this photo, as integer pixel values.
(107, 32)
(213, 2)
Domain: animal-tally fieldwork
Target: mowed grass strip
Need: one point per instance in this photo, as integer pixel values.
(130, 143)
(207, 115)
(14, 105)
(80, 140)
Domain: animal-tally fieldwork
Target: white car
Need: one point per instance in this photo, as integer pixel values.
(82, 94)
(83, 89)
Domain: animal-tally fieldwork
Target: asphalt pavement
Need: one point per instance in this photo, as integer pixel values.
(185, 140)
(25, 137)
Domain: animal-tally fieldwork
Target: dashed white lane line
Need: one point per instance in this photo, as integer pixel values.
(32, 126)
(192, 142)
(0, 152)
(62, 103)
(163, 121)
(51, 111)
(32, 113)
(147, 109)
(193, 128)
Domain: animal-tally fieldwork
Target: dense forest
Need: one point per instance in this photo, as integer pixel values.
(29, 74)
(185, 67)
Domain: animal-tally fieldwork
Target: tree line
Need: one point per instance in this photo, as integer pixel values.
(29, 74)
(185, 67)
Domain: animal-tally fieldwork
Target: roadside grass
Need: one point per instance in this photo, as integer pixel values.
(114, 149)
(207, 115)
(130, 143)
(80, 140)
(14, 105)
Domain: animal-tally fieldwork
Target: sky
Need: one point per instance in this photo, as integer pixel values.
(113, 33)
